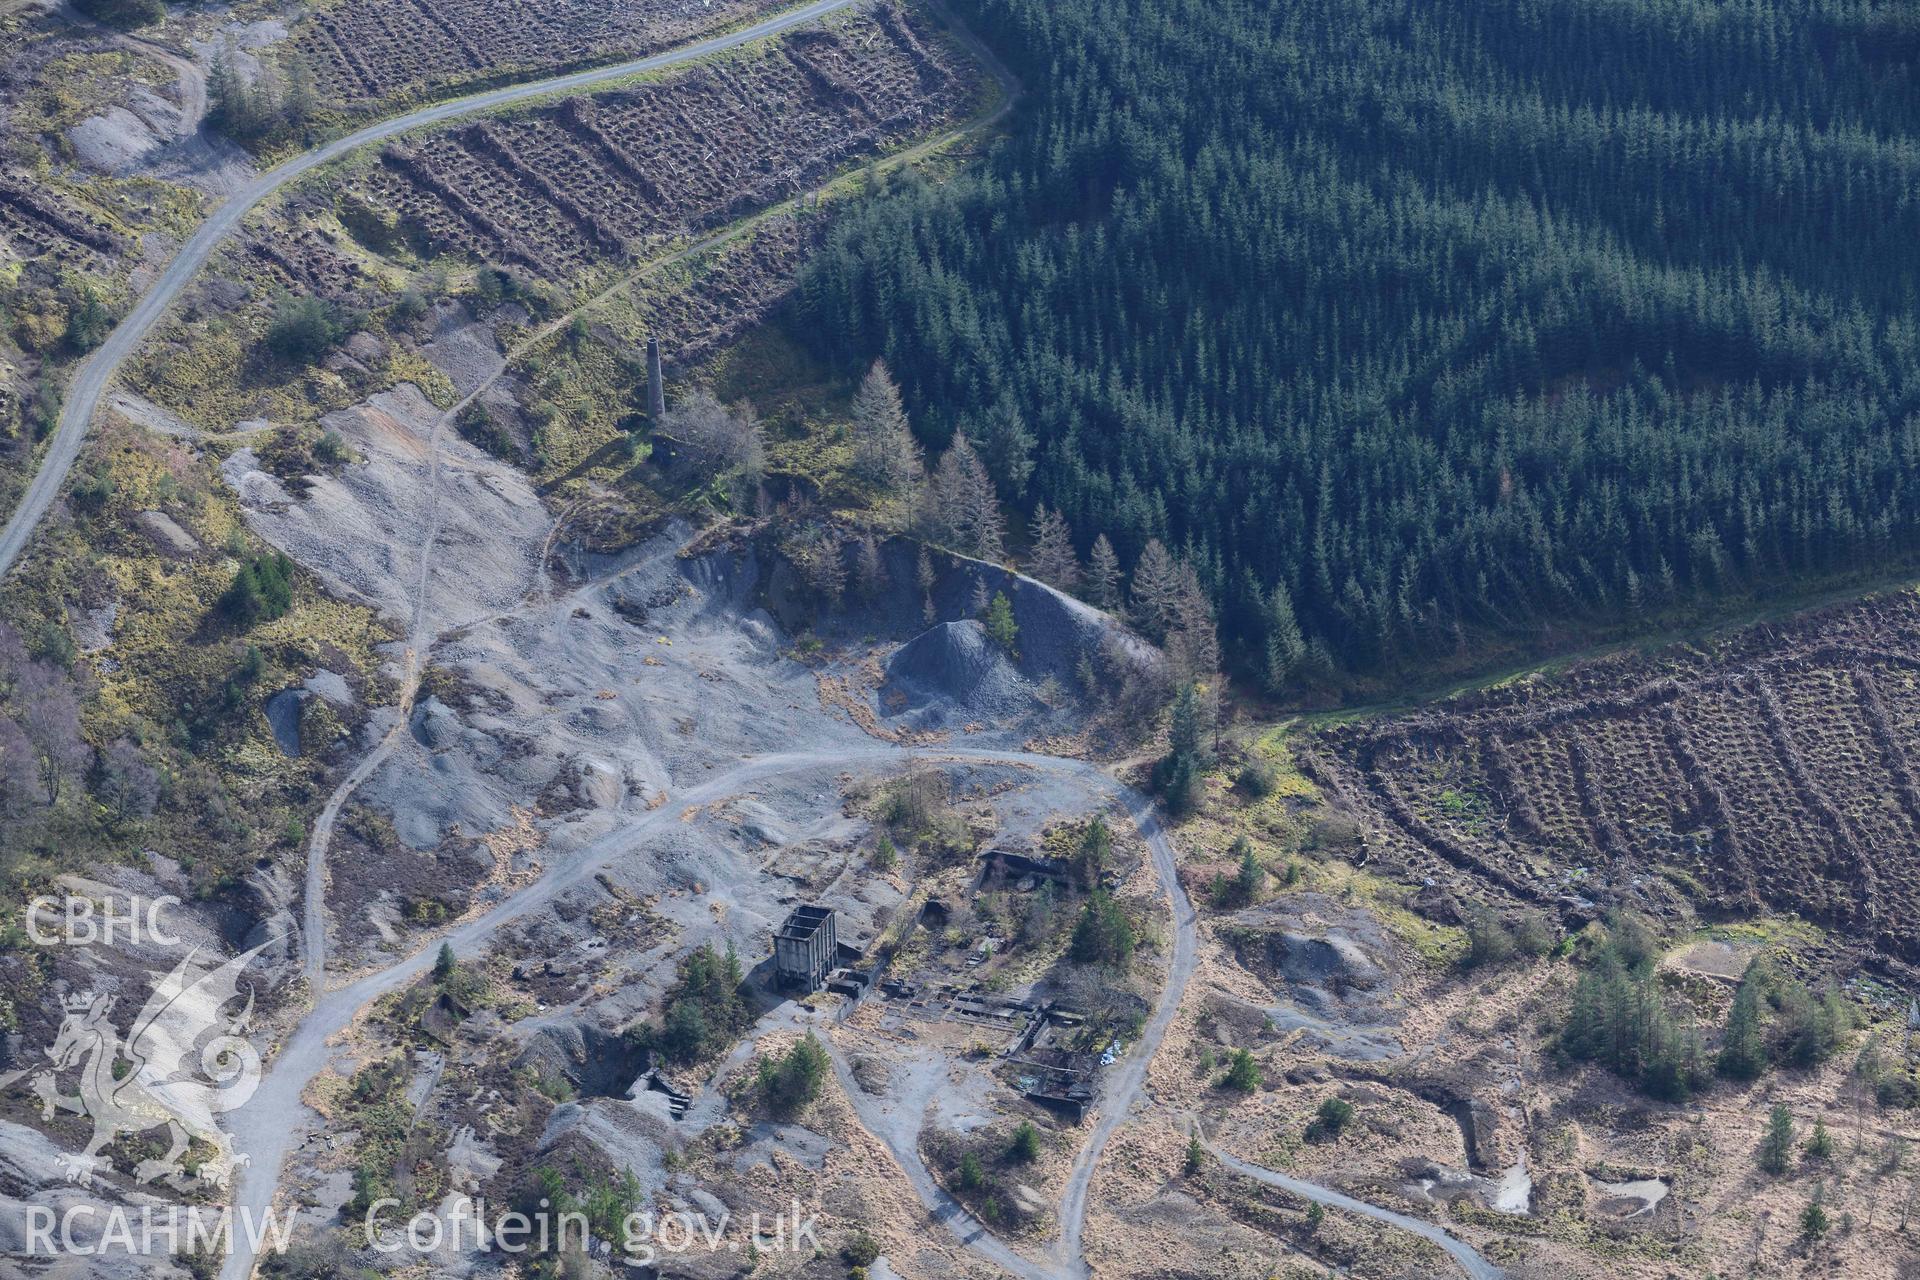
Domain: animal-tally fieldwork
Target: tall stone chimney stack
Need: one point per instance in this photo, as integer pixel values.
(656, 384)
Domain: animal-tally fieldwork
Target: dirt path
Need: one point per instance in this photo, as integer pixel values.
(97, 370)
(897, 1125)
(268, 1128)
(314, 908)
(265, 1129)
(1122, 1087)
(313, 919)
(1475, 1266)
(314, 915)
(192, 76)
(943, 1208)
(1010, 91)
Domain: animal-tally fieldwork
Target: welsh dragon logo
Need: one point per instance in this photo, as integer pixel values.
(183, 1064)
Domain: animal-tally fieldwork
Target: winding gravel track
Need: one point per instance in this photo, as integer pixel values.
(314, 907)
(1476, 1267)
(1119, 1091)
(1123, 1085)
(90, 383)
(265, 1128)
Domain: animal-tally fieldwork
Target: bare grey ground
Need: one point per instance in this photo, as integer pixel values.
(600, 767)
(160, 133)
(632, 735)
(643, 677)
(361, 530)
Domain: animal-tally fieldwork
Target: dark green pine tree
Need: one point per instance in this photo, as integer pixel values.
(1743, 1049)
(1776, 1148)
(1177, 777)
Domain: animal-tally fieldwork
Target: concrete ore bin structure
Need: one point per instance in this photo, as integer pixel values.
(805, 949)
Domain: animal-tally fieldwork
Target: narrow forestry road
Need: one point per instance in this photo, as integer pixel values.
(314, 908)
(1475, 1266)
(265, 1129)
(97, 370)
(1125, 1083)
(268, 1128)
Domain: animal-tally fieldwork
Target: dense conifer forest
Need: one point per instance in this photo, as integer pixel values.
(1414, 321)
